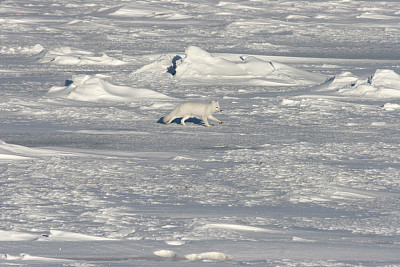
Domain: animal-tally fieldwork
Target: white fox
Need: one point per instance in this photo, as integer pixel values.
(192, 109)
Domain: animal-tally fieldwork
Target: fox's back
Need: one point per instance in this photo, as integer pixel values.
(192, 108)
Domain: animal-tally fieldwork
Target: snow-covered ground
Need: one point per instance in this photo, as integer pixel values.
(305, 169)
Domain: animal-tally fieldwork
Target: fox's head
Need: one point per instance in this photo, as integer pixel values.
(215, 106)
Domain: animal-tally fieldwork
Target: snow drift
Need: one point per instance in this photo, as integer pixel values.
(71, 56)
(31, 50)
(56, 235)
(390, 106)
(383, 84)
(198, 64)
(17, 152)
(90, 88)
(143, 11)
(16, 236)
(53, 235)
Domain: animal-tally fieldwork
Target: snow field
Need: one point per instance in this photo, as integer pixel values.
(304, 170)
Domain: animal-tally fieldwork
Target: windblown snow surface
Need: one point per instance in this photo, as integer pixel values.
(305, 169)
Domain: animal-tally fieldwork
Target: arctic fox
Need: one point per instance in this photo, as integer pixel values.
(191, 109)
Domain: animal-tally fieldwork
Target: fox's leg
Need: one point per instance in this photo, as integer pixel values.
(183, 120)
(211, 117)
(205, 121)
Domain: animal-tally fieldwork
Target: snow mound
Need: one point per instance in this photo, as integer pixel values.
(71, 56)
(236, 227)
(28, 257)
(161, 64)
(16, 152)
(15, 236)
(56, 235)
(36, 49)
(383, 84)
(257, 67)
(90, 88)
(342, 81)
(142, 11)
(391, 106)
(165, 254)
(208, 256)
(175, 242)
(386, 79)
(292, 102)
(198, 64)
(134, 12)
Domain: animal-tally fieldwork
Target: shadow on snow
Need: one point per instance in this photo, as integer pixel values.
(178, 121)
